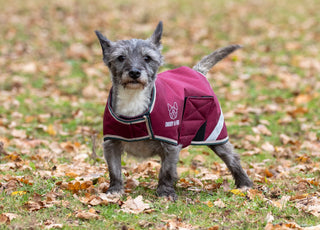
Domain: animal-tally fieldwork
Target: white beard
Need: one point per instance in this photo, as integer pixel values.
(132, 102)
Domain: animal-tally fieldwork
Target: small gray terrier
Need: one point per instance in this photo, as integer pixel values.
(133, 65)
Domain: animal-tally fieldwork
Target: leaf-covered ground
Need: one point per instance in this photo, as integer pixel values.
(53, 89)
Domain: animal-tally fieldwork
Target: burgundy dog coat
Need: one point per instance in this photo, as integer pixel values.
(183, 110)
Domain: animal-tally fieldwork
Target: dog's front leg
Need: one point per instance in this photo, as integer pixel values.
(168, 171)
(112, 151)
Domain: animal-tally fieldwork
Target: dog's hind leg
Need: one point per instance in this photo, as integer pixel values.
(112, 151)
(231, 159)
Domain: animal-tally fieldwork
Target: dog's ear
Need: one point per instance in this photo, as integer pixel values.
(104, 42)
(157, 34)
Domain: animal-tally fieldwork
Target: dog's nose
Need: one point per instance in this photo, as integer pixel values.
(134, 73)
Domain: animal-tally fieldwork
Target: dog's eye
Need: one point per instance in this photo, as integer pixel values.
(121, 58)
(147, 59)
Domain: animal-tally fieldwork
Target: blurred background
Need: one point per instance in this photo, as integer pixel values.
(51, 61)
(54, 86)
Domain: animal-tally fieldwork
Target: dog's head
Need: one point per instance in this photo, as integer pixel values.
(133, 63)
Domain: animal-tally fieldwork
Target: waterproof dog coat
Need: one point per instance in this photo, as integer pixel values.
(183, 110)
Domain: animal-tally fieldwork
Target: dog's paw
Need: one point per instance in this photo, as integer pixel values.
(169, 192)
(115, 190)
(244, 184)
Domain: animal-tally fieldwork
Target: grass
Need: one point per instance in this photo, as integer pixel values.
(52, 106)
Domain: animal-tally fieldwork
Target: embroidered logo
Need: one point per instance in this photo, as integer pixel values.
(173, 113)
(173, 110)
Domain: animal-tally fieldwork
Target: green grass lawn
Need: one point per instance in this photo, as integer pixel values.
(54, 86)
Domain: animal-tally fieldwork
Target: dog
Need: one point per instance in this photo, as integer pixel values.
(137, 123)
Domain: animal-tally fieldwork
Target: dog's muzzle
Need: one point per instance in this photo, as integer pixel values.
(134, 79)
(134, 73)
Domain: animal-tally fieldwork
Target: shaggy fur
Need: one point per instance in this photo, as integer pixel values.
(133, 65)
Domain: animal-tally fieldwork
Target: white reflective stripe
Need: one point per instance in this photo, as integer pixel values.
(210, 142)
(217, 130)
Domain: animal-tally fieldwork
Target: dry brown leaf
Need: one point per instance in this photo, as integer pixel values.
(269, 218)
(70, 147)
(55, 226)
(298, 111)
(4, 219)
(178, 224)
(288, 226)
(200, 158)
(34, 206)
(268, 147)
(286, 139)
(268, 173)
(131, 183)
(302, 99)
(10, 215)
(219, 203)
(85, 185)
(255, 151)
(86, 215)
(113, 198)
(13, 157)
(252, 138)
(103, 187)
(135, 206)
(310, 205)
(19, 133)
(261, 129)
(253, 193)
(197, 181)
(72, 174)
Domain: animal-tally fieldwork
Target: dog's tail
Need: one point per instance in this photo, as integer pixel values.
(209, 61)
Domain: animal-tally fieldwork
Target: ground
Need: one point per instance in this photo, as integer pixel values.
(54, 86)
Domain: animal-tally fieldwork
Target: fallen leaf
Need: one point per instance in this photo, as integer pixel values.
(131, 183)
(33, 206)
(4, 219)
(209, 203)
(113, 198)
(72, 174)
(268, 147)
(261, 129)
(255, 151)
(86, 215)
(197, 182)
(19, 133)
(237, 192)
(18, 193)
(50, 226)
(135, 205)
(51, 130)
(200, 158)
(302, 99)
(269, 218)
(219, 203)
(286, 139)
(268, 173)
(13, 157)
